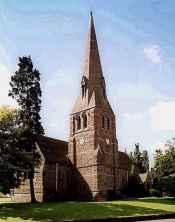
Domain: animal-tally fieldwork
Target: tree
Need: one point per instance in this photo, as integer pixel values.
(140, 160)
(165, 162)
(144, 161)
(134, 187)
(10, 155)
(164, 168)
(26, 90)
(7, 114)
(139, 165)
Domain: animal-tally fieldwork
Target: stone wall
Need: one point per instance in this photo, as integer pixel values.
(55, 181)
(22, 193)
(93, 151)
(50, 183)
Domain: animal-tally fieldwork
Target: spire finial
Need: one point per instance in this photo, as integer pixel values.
(92, 68)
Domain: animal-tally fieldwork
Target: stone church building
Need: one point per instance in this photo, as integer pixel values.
(89, 166)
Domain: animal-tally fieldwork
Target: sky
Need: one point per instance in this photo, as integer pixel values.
(137, 47)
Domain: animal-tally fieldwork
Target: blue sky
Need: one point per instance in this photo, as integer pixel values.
(137, 47)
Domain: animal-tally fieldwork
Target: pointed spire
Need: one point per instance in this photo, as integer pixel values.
(92, 68)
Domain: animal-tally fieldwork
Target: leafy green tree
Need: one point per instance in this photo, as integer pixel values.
(144, 161)
(140, 160)
(26, 90)
(165, 163)
(10, 155)
(164, 169)
(139, 165)
(7, 114)
(134, 188)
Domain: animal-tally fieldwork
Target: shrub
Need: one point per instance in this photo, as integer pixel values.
(111, 195)
(155, 192)
(135, 188)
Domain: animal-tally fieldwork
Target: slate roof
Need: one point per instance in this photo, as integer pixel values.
(124, 161)
(53, 150)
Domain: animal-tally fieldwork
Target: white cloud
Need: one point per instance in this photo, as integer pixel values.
(133, 116)
(162, 116)
(153, 54)
(4, 86)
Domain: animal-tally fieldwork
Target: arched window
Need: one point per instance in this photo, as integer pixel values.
(73, 125)
(74, 153)
(78, 123)
(108, 123)
(83, 90)
(83, 86)
(103, 122)
(84, 121)
(104, 93)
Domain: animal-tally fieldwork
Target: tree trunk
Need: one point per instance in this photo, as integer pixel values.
(32, 191)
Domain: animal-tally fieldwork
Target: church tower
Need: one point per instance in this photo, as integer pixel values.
(93, 149)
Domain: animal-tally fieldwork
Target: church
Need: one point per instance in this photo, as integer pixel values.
(89, 166)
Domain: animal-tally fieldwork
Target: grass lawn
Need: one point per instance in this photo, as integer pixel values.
(10, 212)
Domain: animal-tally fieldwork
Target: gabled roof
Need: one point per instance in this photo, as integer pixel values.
(53, 150)
(124, 161)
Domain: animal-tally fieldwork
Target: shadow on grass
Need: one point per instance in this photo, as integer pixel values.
(169, 201)
(70, 210)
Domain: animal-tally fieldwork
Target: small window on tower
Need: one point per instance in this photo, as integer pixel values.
(103, 122)
(104, 93)
(84, 121)
(108, 123)
(83, 86)
(73, 125)
(78, 123)
(83, 90)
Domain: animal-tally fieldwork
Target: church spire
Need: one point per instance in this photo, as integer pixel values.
(92, 67)
(93, 87)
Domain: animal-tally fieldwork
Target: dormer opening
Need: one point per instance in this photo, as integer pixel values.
(83, 91)
(83, 86)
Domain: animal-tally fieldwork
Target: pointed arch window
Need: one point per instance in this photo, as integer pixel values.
(104, 93)
(78, 123)
(108, 123)
(103, 122)
(83, 90)
(73, 124)
(84, 121)
(83, 86)
(74, 153)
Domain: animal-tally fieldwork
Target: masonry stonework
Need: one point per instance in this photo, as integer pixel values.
(93, 146)
(90, 166)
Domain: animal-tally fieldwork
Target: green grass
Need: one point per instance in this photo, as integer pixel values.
(10, 212)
